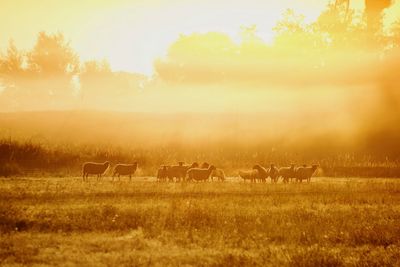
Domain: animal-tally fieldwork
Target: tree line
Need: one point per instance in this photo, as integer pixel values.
(341, 46)
(51, 75)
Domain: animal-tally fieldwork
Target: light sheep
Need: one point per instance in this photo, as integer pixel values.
(95, 169)
(200, 174)
(305, 173)
(125, 169)
(217, 173)
(287, 173)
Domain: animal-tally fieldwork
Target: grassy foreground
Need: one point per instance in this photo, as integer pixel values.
(330, 222)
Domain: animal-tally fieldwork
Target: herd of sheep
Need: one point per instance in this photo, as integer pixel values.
(205, 172)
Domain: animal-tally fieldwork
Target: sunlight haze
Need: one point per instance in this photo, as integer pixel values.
(131, 34)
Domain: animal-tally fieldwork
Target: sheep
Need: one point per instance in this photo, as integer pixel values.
(179, 171)
(273, 173)
(200, 174)
(205, 165)
(262, 173)
(305, 173)
(162, 173)
(218, 173)
(94, 168)
(251, 175)
(125, 169)
(287, 173)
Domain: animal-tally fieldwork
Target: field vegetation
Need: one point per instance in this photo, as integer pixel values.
(330, 222)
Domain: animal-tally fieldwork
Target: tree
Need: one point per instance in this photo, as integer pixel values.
(297, 42)
(11, 64)
(395, 34)
(373, 13)
(197, 58)
(53, 56)
(42, 77)
(12, 75)
(95, 79)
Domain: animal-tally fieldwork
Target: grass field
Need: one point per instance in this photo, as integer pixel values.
(330, 222)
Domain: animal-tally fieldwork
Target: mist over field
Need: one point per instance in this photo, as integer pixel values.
(321, 85)
(200, 133)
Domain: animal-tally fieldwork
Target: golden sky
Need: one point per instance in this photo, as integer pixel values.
(132, 33)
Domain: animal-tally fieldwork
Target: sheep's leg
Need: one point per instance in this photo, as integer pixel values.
(130, 178)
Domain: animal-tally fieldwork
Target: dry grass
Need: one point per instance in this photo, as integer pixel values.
(330, 222)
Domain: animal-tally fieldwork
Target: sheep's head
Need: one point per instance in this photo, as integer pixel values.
(256, 167)
(194, 165)
(205, 165)
(107, 164)
(315, 166)
(181, 163)
(212, 167)
(292, 165)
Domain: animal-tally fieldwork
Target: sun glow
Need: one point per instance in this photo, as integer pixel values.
(132, 34)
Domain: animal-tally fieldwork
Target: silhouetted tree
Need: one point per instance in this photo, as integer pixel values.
(373, 13)
(12, 75)
(296, 40)
(395, 34)
(197, 58)
(95, 80)
(101, 87)
(53, 56)
(11, 64)
(40, 78)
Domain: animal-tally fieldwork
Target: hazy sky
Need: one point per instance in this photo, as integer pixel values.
(132, 33)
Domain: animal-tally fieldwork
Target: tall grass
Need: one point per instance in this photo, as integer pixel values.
(325, 223)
